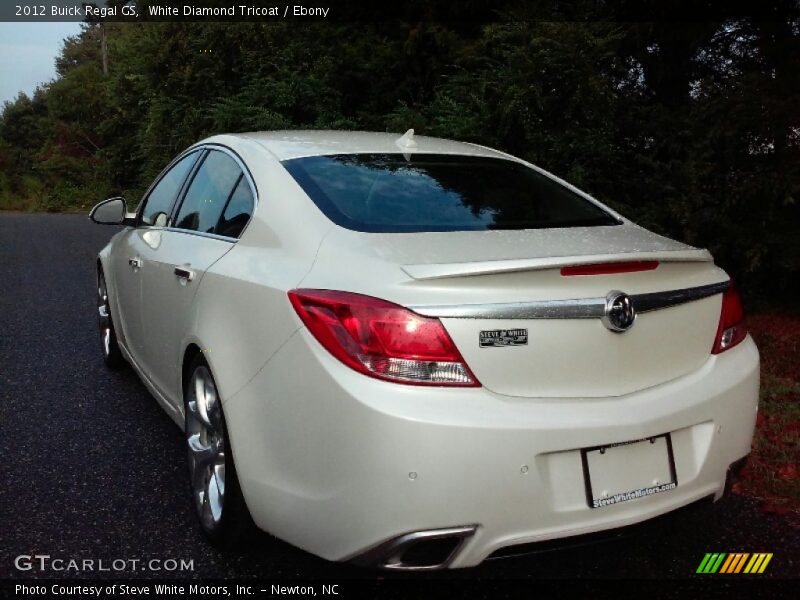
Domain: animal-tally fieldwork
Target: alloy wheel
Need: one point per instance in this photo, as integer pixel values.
(205, 437)
(104, 313)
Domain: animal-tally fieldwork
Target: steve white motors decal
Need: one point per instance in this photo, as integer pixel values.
(625, 496)
(504, 337)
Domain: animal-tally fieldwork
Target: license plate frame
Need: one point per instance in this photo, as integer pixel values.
(597, 502)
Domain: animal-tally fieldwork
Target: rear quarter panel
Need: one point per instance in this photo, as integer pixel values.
(241, 314)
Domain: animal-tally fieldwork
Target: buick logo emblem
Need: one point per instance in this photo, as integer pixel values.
(619, 313)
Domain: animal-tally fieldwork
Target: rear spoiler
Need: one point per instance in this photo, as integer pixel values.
(491, 267)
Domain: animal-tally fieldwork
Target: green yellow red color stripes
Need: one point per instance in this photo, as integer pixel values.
(734, 562)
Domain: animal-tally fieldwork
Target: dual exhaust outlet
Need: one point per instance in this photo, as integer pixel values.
(428, 550)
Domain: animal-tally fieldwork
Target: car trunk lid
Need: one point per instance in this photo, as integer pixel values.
(508, 285)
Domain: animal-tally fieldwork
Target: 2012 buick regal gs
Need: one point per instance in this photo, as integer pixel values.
(416, 353)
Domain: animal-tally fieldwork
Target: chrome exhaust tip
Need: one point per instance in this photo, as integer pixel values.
(428, 550)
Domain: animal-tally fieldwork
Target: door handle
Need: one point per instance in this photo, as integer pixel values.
(185, 274)
(135, 263)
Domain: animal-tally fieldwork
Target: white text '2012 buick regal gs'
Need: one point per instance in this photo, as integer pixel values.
(416, 353)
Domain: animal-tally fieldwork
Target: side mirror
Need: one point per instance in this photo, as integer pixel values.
(113, 211)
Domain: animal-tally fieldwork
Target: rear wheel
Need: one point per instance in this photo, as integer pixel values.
(108, 336)
(219, 505)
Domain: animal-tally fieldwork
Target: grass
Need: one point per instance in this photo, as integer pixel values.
(39, 203)
(773, 472)
(17, 203)
(31, 204)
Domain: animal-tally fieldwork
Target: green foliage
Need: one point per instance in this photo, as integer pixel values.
(688, 128)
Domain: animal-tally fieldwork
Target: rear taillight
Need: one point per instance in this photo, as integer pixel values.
(731, 328)
(381, 339)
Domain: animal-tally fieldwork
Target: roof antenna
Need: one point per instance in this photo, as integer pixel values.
(407, 141)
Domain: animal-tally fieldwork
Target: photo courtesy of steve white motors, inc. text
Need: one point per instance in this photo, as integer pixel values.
(169, 589)
(92, 11)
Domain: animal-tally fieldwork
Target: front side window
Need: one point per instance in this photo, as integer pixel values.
(209, 192)
(427, 192)
(158, 204)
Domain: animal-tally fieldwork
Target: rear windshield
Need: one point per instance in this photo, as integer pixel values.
(392, 193)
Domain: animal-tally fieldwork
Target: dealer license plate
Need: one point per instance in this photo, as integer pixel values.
(628, 470)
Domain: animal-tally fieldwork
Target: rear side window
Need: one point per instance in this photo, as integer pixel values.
(207, 196)
(237, 212)
(389, 193)
(158, 204)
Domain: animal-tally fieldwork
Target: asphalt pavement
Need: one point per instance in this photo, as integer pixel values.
(91, 467)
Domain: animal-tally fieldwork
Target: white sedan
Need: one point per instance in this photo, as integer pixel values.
(416, 353)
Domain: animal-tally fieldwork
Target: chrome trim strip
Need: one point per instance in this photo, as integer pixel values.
(579, 308)
(587, 308)
(658, 300)
(389, 554)
(213, 236)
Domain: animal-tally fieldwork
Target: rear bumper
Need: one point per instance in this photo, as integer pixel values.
(338, 463)
(654, 527)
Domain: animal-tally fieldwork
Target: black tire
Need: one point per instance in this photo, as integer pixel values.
(109, 345)
(235, 526)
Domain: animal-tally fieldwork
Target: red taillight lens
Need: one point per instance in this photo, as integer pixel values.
(731, 328)
(381, 339)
